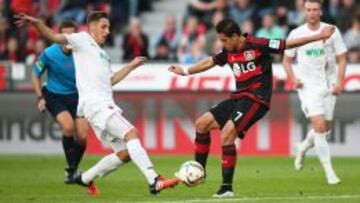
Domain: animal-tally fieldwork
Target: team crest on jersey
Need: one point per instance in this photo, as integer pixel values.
(249, 55)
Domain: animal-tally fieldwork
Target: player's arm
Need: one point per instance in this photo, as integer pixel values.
(287, 63)
(324, 34)
(22, 19)
(340, 51)
(36, 82)
(38, 70)
(124, 71)
(197, 68)
(337, 88)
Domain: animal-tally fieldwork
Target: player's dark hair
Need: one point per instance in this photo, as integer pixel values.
(315, 1)
(96, 16)
(228, 27)
(67, 24)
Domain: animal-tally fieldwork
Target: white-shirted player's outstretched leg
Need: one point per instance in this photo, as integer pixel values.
(122, 131)
(301, 149)
(139, 156)
(323, 152)
(123, 135)
(105, 166)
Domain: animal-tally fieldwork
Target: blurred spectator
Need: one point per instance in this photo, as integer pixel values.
(71, 10)
(4, 34)
(22, 6)
(333, 8)
(32, 33)
(163, 52)
(133, 8)
(196, 53)
(281, 16)
(353, 55)
(99, 5)
(144, 5)
(48, 9)
(177, 42)
(352, 36)
(261, 4)
(39, 46)
(4, 10)
(222, 6)
(248, 27)
(118, 10)
(202, 10)
(270, 29)
(28, 34)
(347, 11)
(296, 17)
(29, 47)
(211, 35)
(13, 52)
(242, 10)
(122, 10)
(192, 30)
(135, 42)
(170, 34)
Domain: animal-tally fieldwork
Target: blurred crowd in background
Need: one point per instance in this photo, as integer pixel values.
(186, 40)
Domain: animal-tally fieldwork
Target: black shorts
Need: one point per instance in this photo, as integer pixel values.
(244, 112)
(57, 103)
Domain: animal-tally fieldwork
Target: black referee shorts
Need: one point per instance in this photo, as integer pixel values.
(57, 103)
(244, 112)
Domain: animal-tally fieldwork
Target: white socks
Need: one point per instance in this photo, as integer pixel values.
(105, 166)
(139, 156)
(308, 143)
(323, 151)
(111, 162)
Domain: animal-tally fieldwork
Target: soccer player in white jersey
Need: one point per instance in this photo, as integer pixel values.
(318, 82)
(94, 80)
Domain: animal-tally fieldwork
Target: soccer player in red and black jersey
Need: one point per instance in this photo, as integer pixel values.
(250, 60)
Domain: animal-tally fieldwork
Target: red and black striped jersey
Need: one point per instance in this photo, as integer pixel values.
(252, 67)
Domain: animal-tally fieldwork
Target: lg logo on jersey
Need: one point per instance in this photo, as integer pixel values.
(242, 68)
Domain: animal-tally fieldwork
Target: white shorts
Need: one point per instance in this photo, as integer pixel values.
(314, 103)
(112, 134)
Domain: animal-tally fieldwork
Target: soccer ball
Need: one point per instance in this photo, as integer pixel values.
(191, 173)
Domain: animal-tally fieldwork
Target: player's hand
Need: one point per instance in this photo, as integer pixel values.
(326, 32)
(176, 69)
(41, 105)
(337, 88)
(297, 84)
(138, 61)
(23, 19)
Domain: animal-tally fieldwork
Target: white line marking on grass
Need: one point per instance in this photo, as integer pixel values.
(253, 199)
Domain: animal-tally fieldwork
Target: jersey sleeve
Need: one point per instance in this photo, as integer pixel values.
(40, 65)
(76, 40)
(270, 46)
(220, 58)
(339, 44)
(291, 52)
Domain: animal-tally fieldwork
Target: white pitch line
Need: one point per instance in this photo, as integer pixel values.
(249, 199)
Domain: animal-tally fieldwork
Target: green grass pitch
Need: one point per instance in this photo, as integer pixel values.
(39, 179)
